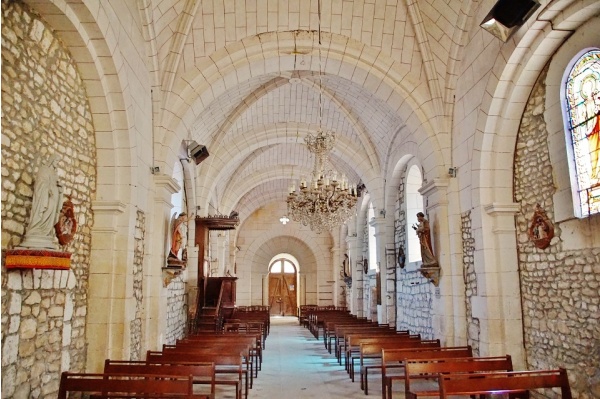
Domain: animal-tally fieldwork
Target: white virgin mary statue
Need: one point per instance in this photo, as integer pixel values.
(45, 207)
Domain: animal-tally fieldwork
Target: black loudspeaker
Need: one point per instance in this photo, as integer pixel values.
(198, 152)
(507, 16)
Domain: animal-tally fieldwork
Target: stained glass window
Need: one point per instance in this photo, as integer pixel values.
(582, 101)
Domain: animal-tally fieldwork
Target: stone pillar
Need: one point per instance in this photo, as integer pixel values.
(156, 297)
(498, 303)
(378, 223)
(107, 320)
(355, 306)
(335, 274)
(444, 310)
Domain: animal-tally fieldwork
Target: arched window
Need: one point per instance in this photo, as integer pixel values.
(372, 239)
(282, 266)
(581, 105)
(414, 205)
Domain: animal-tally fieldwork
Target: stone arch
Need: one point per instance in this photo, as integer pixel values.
(502, 112)
(268, 136)
(116, 163)
(410, 97)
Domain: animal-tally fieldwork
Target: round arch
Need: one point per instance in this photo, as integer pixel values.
(410, 98)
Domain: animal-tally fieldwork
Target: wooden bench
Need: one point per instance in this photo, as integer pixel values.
(503, 383)
(353, 341)
(393, 361)
(207, 341)
(371, 356)
(126, 386)
(230, 348)
(415, 370)
(226, 365)
(202, 373)
(341, 336)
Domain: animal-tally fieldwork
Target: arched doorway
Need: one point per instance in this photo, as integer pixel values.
(283, 287)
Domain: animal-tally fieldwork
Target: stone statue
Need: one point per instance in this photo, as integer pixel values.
(178, 235)
(423, 232)
(45, 207)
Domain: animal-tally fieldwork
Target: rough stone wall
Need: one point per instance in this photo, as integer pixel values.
(470, 278)
(138, 292)
(559, 287)
(400, 240)
(44, 111)
(414, 295)
(176, 311)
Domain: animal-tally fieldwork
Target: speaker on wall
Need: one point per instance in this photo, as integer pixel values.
(507, 16)
(198, 152)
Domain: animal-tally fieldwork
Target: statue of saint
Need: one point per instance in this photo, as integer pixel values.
(45, 207)
(423, 232)
(178, 235)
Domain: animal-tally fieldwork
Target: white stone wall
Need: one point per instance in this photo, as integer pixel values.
(44, 110)
(559, 285)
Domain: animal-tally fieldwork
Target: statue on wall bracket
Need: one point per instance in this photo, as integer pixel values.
(541, 229)
(430, 269)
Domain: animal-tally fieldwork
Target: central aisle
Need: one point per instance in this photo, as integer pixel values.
(297, 365)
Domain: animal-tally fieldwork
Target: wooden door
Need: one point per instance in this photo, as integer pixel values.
(282, 294)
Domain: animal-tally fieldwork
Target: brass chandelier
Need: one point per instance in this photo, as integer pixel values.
(326, 201)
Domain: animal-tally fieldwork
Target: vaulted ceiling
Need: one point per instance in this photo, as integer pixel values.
(248, 79)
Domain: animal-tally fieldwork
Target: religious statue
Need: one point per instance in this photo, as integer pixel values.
(423, 232)
(178, 238)
(45, 207)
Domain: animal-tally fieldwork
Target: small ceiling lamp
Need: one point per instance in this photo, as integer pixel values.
(284, 219)
(326, 201)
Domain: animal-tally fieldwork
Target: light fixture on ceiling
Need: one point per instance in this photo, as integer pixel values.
(507, 16)
(326, 201)
(284, 219)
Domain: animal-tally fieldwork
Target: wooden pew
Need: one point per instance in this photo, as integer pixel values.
(352, 343)
(202, 373)
(506, 382)
(126, 386)
(415, 370)
(342, 331)
(227, 348)
(207, 341)
(226, 365)
(393, 361)
(371, 356)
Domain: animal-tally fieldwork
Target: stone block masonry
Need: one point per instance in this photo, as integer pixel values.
(44, 111)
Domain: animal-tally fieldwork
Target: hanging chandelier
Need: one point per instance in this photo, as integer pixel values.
(326, 201)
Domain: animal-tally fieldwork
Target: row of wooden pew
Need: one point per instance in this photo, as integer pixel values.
(198, 366)
(423, 367)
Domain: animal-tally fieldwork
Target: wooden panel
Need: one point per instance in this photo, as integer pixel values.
(282, 294)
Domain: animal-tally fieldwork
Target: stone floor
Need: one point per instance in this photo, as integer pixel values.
(297, 365)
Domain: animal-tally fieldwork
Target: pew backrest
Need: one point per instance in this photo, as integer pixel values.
(504, 382)
(106, 385)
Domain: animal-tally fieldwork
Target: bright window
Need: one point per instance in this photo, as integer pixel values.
(582, 113)
(282, 266)
(372, 239)
(414, 205)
